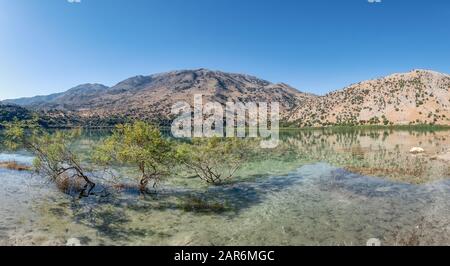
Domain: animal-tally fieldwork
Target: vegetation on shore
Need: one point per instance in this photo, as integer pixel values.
(54, 155)
(141, 151)
(13, 165)
(140, 147)
(213, 160)
(9, 113)
(292, 126)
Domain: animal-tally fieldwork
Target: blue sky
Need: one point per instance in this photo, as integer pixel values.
(316, 46)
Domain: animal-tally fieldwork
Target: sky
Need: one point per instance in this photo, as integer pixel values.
(49, 46)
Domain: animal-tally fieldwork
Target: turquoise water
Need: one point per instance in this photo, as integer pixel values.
(317, 188)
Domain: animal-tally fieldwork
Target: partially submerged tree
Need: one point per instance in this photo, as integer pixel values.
(53, 153)
(141, 146)
(213, 160)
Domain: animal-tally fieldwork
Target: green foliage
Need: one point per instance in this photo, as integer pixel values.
(214, 160)
(139, 145)
(9, 113)
(53, 154)
(19, 133)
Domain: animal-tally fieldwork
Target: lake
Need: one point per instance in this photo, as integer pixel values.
(319, 187)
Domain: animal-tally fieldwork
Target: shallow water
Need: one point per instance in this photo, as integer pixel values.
(317, 188)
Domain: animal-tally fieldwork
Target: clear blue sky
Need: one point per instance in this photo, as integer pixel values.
(317, 46)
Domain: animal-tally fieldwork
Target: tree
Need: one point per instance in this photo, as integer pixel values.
(140, 145)
(213, 160)
(53, 153)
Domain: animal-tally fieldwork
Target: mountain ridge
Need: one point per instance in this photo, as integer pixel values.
(151, 97)
(415, 97)
(42, 99)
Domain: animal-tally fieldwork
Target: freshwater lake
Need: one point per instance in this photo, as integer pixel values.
(319, 187)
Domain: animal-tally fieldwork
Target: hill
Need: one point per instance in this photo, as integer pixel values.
(416, 97)
(151, 97)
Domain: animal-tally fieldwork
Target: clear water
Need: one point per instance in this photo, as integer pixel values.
(317, 188)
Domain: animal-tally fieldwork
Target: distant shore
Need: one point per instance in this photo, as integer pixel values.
(362, 127)
(287, 127)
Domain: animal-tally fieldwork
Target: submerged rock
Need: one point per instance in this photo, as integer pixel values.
(444, 157)
(417, 150)
(73, 242)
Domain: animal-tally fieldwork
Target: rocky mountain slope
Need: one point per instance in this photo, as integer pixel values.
(417, 97)
(151, 97)
(79, 93)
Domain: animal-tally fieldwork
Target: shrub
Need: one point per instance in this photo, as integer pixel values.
(213, 160)
(139, 145)
(54, 157)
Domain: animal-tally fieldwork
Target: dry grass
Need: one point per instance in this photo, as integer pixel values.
(13, 165)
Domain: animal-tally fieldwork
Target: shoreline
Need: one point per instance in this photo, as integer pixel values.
(359, 127)
(13, 165)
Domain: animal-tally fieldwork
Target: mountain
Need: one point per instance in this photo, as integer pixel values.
(151, 97)
(79, 93)
(145, 96)
(416, 97)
